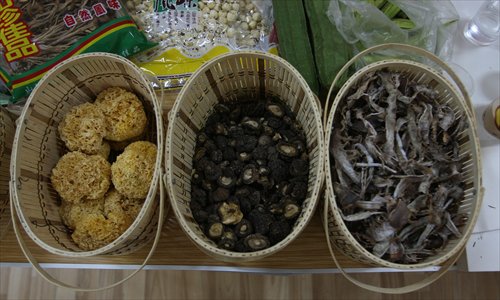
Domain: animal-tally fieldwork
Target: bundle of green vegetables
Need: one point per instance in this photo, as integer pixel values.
(319, 36)
(309, 41)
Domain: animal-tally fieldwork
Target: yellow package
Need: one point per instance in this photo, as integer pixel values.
(191, 32)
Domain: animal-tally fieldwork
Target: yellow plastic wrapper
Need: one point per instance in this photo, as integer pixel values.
(191, 32)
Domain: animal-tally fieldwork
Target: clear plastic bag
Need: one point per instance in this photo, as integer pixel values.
(364, 25)
(190, 32)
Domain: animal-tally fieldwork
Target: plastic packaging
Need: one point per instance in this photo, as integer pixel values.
(37, 35)
(363, 24)
(190, 32)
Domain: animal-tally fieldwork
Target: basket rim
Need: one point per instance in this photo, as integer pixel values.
(6, 125)
(16, 148)
(7, 132)
(298, 228)
(473, 140)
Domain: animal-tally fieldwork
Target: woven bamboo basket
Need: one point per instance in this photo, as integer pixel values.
(7, 131)
(459, 101)
(37, 148)
(229, 78)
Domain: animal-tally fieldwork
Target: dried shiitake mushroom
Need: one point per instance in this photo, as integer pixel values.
(291, 210)
(243, 228)
(250, 175)
(215, 230)
(230, 213)
(228, 240)
(257, 242)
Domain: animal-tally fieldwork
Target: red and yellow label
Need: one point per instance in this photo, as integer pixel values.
(15, 36)
(81, 48)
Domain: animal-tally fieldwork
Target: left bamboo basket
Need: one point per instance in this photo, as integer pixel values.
(37, 148)
(7, 131)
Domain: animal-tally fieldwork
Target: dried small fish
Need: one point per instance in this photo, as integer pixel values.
(361, 91)
(376, 203)
(403, 185)
(382, 232)
(342, 160)
(373, 94)
(399, 216)
(360, 216)
(398, 172)
(424, 123)
(375, 165)
(390, 125)
(411, 229)
(424, 235)
(446, 117)
(346, 197)
(401, 153)
(451, 226)
(419, 203)
(425, 185)
(440, 196)
(381, 182)
(412, 133)
(396, 251)
(381, 248)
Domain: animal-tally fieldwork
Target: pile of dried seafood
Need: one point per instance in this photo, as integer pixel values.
(397, 168)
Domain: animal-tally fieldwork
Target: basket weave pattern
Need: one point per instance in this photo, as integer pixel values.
(232, 78)
(37, 149)
(469, 157)
(7, 131)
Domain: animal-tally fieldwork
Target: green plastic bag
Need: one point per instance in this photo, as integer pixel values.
(37, 35)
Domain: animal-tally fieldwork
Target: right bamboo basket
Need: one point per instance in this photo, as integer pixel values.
(453, 94)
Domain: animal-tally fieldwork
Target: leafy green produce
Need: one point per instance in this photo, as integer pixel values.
(331, 51)
(294, 43)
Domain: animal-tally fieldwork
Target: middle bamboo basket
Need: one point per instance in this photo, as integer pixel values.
(226, 79)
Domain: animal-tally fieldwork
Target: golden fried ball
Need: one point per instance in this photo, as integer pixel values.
(116, 203)
(95, 227)
(73, 213)
(96, 231)
(133, 170)
(132, 207)
(120, 146)
(105, 150)
(124, 114)
(83, 128)
(78, 176)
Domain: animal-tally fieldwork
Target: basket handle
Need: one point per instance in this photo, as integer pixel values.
(398, 290)
(59, 283)
(404, 47)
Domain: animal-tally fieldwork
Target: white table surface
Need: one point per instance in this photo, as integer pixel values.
(483, 64)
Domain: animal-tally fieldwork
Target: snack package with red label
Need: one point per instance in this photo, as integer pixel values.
(37, 35)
